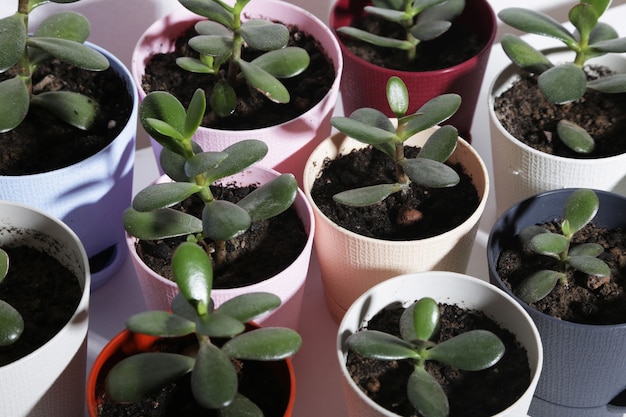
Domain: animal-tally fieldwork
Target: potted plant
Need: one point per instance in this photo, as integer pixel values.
(292, 118)
(550, 110)
(413, 313)
(563, 241)
(436, 47)
(61, 151)
(218, 351)
(219, 222)
(351, 257)
(44, 364)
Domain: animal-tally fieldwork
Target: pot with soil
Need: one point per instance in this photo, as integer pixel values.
(291, 127)
(463, 304)
(582, 314)
(48, 280)
(453, 62)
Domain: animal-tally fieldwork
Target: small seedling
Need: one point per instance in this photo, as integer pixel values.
(11, 321)
(566, 82)
(372, 127)
(474, 350)
(580, 208)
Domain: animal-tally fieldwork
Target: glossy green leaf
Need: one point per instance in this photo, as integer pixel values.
(472, 351)
(223, 99)
(374, 344)
(590, 265)
(209, 27)
(441, 144)
(160, 224)
(575, 137)
(599, 5)
(223, 220)
(211, 10)
(584, 17)
(284, 63)
(433, 112)
(241, 155)
(602, 32)
(213, 379)
(538, 285)
(166, 130)
(157, 196)
(429, 173)
(426, 318)
(13, 34)
(183, 308)
(193, 273)
(203, 162)
(163, 106)
(173, 164)
(212, 45)
(366, 196)
(612, 84)
(271, 198)
(528, 233)
(247, 307)
(444, 10)
(374, 39)
(15, 103)
(264, 344)
(429, 30)
(397, 96)
(65, 25)
(388, 4)
(391, 15)
(264, 35)
(194, 65)
(160, 323)
(195, 112)
(535, 22)
(549, 244)
(218, 325)
(610, 45)
(419, 5)
(74, 109)
(241, 406)
(426, 395)
(11, 324)
(73, 53)
(524, 55)
(4, 264)
(139, 376)
(264, 82)
(563, 83)
(580, 208)
(586, 249)
(366, 133)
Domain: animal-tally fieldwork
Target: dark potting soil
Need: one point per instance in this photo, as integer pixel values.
(417, 214)
(253, 110)
(43, 143)
(586, 299)
(529, 117)
(46, 294)
(452, 48)
(470, 393)
(267, 248)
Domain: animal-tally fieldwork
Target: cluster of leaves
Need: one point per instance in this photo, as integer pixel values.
(214, 378)
(152, 217)
(474, 350)
(580, 208)
(566, 82)
(423, 20)
(220, 41)
(61, 36)
(11, 321)
(372, 127)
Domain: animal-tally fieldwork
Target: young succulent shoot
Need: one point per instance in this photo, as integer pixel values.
(60, 36)
(152, 217)
(474, 350)
(11, 321)
(372, 127)
(220, 41)
(580, 208)
(566, 82)
(214, 378)
(423, 20)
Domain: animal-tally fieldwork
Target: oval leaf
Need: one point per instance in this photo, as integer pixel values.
(426, 318)
(284, 63)
(241, 406)
(14, 105)
(209, 27)
(447, 10)
(397, 96)
(173, 163)
(212, 10)
(429, 30)
(426, 395)
(563, 83)
(580, 208)
(538, 285)
(429, 173)
(433, 112)
(11, 324)
(195, 112)
(65, 25)
(218, 325)
(264, 344)
(213, 379)
(441, 144)
(611, 84)
(575, 137)
(590, 265)
(203, 162)
(366, 133)
(163, 195)
(366, 196)
(374, 39)
(270, 199)
(535, 22)
(264, 82)
(586, 249)
(160, 224)
(213, 45)
(73, 53)
(264, 35)
(524, 55)
(4, 264)
(584, 17)
(549, 244)
(247, 307)
(374, 344)
(529, 232)
(472, 351)
(194, 65)
(163, 106)
(223, 220)
(12, 40)
(241, 155)
(223, 99)
(193, 273)
(160, 323)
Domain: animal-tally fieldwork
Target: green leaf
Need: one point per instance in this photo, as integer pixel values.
(203, 162)
(14, 105)
(173, 164)
(209, 27)
(366, 196)
(611, 84)
(580, 208)
(426, 395)
(218, 325)
(264, 35)
(183, 308)
(599, 5)
(419, 5)
(586, 249)
(212, 45)
(529, 232)
(472, 351)
(575, 137)
(65, 25)
(223, 220)
(589, 265)
(270, 199)
(374, 344)
(157, 196)
(4, 264)
(538, 285)
(602, 32)
(429, 173)
(211, 10)
(563, 83)
(374, 39)
(160, 224)
(264, 344)
(389, 4)
(241, 155)
(194, 65)
(13, 34)
(223, 99)
(284, 63)
(139, 376)
(610, 45)
(73, 53)
(247, 307)
(524, 55)
(584, 17)
(163, 106)
(391, 15)
(366, 133)
(536, 22)
(426, 318)
(264, 82)
(213, 379)
(73, 108)
(433, 112)
(549, 244)
(195, 113)
(429, 30)
(11, 324)
(446, 10)
(160, 323)
(441, 144)
(397, 96)
(241, 406)
(193, 273)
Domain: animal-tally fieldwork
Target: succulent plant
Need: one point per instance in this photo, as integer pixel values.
(11, 321)
(61, 36)
(580, 208)
(220, 41)
(423, 20)
(563, 83)
(372, 127)
(474, 350)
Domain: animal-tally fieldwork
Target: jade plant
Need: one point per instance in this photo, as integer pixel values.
(220, 41)
(473, 350)
(152, 216)
(422, 20)
(11, 321)
(60, 36)
(566, 82)
(372, 127)
(580, 208)
(221, 336)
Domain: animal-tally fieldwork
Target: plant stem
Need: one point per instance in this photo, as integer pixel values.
(401, 176)
(220, 253)
(24, 62)
(233, 66)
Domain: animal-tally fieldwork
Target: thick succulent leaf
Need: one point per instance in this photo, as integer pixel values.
(374, 39)
(397, 96)
(160, 224)
(223, 220)
(158, 196)
(580, 208)
(433, 112)
(429, 173)
(195, 113)
(374, 118)
(365, 128)
(209, 27)
(590, 265)
(183, 308)
(584, 17)
(247, 307)
(264, 344)
(284, 63)
(391, 15)
(366, 196)
(446, 10)
(213, 379)
(419, 5)
(612, 84)
(536, 22)
(586, 249)
(211, 10)
(73, 53)
(139, 376)
(575, 137)
(163, 106)
(13, 36)
(173, 163)
(440, 145)
(11, 324)
(563, 83)
(241, 406)
(270, 199)
(538, 285)
(218, 325)
(223, 99)
(160, 323)
(203, 162)
(65, 25)
(599, 5)
(14, 104)
(374, 344)
(264, 82)
(389, 4)
(425, 317)
(472, 351)
(264, 35)
(4, 264)
(602, 32)
(193, 273)
(524, 55)
(549, 244)
(194, 65)
(213, 45)
(74, 109)
(241, 155)
(529, 232)
(426, 395)
(612, 45)
(428, 30)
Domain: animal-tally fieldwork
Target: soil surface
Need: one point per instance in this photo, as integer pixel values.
(417, 214)
(253, 110)
(267, 248)
(477, 394)
(46, 294)
(586, 299)
(529, 117)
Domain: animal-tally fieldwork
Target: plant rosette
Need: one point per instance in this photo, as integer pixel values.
(288, 284)
(49, 381)
(444, 287)
(568, 385)
(521, 171)
(290, 142)
(361, 81)
(351, 263)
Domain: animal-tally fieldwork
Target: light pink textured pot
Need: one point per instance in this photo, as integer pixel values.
(289, 143)
(288, 284)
